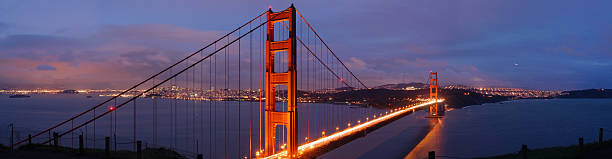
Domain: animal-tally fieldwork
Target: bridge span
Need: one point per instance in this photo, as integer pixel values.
(276, 61)
(310, 149)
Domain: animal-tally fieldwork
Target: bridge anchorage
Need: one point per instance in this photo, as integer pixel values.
(434, 109)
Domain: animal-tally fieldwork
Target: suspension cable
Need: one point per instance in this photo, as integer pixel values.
(313, 31)
(137, 85)
(157, 85)
(320, 61)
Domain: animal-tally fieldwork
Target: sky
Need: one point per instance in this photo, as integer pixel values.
(544, 44)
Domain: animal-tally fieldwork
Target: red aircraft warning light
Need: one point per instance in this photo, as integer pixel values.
(111, 108)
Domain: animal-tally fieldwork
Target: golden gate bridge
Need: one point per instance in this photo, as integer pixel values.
(271, 77)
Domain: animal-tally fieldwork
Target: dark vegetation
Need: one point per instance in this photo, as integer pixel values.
(591, 151)
(587, 93)
(456, 98)
(386, 98)
(402, 85)
(36, 151)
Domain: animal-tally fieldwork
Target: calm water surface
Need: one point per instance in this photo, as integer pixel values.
(197, 124)
(482, 130)
(495, 129)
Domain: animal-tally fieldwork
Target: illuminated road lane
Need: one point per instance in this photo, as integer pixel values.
(355, 129)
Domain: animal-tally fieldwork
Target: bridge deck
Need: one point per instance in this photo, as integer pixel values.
(312, 148)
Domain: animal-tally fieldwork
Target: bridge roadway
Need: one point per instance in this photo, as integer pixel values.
(327, 143)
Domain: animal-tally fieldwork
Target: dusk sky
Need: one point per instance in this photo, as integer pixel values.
(533, 44)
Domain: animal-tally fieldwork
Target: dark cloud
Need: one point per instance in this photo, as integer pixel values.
(45, 68)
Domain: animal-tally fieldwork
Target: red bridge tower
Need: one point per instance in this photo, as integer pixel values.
(433, 95)
(275, 118)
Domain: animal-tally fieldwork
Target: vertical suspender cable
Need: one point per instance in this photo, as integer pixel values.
(225, 94)
(172, 112)
(301, 80)
(250, 93)
(94, 129)
(308, 90)
(134, 120)
(261, 81)
(210, 111)
(239, 152)
(115, 131)
(201, 98)
(215, 107)
(193, 113)
(186, 100)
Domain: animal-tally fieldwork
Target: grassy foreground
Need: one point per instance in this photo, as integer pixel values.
(591, 151)
(43, 151)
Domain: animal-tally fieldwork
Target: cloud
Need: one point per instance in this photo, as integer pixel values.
(355, 63)
(113, 57)
(462, 40)
(44, 67)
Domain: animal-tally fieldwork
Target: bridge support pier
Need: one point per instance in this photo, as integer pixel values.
(600, 135)
(81, 149)
(55, 139)
(523, 152)
(273, 117)
(139, 149)
(107, 146)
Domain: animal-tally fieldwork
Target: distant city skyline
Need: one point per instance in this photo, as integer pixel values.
(544, 45)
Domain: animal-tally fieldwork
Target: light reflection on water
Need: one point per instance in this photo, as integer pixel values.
(31, 115)
(495, 129)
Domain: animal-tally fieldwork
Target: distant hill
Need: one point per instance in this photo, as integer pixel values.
(402, 86)
(344, 88)
(387, 98)
(587, 93)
